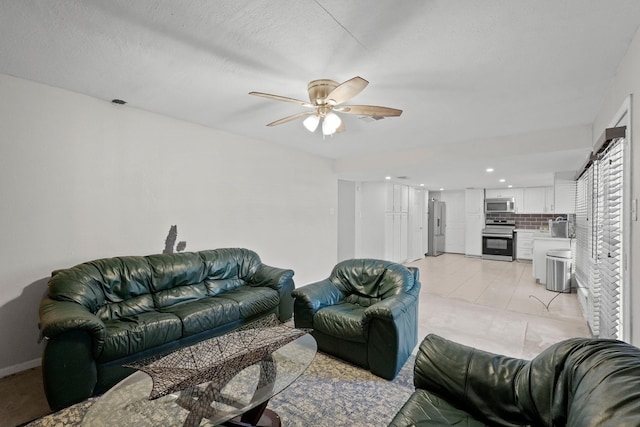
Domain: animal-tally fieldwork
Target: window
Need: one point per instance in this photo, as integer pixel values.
(599, 235)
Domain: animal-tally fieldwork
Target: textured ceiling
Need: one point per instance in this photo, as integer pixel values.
(467, 73)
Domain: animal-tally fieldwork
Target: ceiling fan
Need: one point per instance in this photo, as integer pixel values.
(326, 98)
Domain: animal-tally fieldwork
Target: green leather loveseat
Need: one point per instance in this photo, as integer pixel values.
(580, 382)
(102, 314)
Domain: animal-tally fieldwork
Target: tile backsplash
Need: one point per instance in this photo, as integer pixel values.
(531, 221)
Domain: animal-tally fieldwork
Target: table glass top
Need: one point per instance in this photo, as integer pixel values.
(128, 404)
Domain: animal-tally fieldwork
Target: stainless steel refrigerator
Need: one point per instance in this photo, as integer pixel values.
(436, 228)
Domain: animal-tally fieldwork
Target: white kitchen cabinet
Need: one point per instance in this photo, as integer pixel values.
(474, 221)
(492, 193)
(397, 199)
(524, 244)
(565, 188)
(383, 229)
(551, 203)
(395, 233)
(455, 226)
(537, 200)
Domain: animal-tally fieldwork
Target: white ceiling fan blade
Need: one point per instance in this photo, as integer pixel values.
(282, 98)
(290, 118)
(347, 90)
(369, 110)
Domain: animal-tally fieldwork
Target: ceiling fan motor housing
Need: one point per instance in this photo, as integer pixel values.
(320, 89)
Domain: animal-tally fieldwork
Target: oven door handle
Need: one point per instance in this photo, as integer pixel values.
(504, 236)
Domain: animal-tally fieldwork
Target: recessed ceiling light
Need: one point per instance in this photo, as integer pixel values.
(442, 189)
(421, 185)
(509, 185)
(387, 177)
(489, 169)
(502, 180)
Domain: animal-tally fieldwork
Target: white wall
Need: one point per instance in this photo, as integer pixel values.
(81, 178)
(627, 82)
(346, 220)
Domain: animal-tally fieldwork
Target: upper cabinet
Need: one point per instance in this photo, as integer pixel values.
(397, 198)
(538, 200)
(560, 199)
(565, 192)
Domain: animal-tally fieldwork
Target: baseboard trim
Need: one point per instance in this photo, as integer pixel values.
(14, 369)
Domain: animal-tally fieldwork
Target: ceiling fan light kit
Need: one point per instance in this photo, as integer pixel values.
(326, 97)
(330, 123)
(311, 123)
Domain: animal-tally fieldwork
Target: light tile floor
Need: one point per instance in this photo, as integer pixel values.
(496, 306)
(480, 303)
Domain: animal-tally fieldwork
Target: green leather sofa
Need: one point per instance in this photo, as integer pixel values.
(102, 314)
(580, 382)
(365, 312)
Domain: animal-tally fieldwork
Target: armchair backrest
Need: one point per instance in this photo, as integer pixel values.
(367, 281)
(576, 382)
(585, 381)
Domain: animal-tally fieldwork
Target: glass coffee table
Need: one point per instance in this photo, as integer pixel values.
(239, 399)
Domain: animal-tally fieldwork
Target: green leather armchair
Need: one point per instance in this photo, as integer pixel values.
(365, 312)
(580, 382)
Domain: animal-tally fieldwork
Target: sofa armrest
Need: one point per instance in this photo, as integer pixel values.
(58, 317)
(479, 382)
(279, 279)
(272, 277)
(311, 298)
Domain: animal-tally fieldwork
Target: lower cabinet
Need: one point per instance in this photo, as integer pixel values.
(524, 244)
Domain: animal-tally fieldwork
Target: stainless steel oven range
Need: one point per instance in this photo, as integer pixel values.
(498, 239)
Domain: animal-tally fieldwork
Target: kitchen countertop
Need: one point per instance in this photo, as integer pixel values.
(536, 233)
(547, 237)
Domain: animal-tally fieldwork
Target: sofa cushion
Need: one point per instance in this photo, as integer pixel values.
(179, 294)
(132, 334)
(123, 277)
(230, 263)
(171, 270)
(427, 409)
(215, 287)
(204, 314)
(125, 308)
(341, 320)
(252, 301)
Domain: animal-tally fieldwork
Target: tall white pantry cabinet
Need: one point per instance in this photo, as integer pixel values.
(391, 222)
(396, 222)
(474, 215)
(384, 221)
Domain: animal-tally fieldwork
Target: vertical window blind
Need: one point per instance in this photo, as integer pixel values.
(599, 240)
(586, 272)
(610, 235)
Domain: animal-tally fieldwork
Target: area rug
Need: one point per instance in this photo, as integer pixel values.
(330, 393)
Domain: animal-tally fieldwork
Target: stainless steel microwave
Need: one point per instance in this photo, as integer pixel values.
(505, 204)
